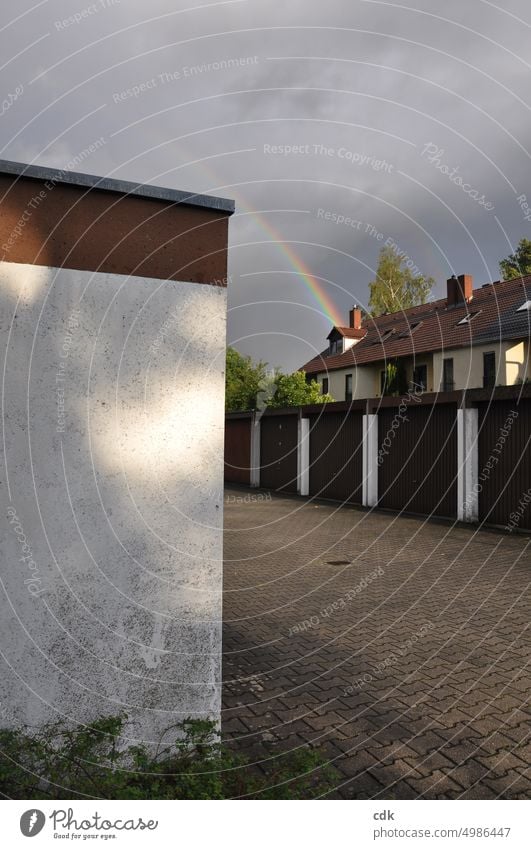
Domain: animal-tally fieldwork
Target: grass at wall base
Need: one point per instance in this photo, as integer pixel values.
(92, 762)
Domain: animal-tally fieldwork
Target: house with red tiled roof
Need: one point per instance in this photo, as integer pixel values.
(471, 339)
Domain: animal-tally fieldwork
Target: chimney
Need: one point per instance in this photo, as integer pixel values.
(354, 318)
(459, 290)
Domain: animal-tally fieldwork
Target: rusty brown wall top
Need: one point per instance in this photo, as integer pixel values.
(63, 219)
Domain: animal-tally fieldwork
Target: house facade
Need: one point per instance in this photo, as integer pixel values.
(474, 338)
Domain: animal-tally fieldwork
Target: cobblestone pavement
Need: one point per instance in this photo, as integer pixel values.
(398, 646)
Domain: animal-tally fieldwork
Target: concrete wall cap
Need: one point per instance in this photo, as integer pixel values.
(125, 187)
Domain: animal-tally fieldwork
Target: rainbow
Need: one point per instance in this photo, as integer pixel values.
(316, 287)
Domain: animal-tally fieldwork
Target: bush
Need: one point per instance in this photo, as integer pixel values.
(58, 762)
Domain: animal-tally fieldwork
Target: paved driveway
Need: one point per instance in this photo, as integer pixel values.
(397, 645)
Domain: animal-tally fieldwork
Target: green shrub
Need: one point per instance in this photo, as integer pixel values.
(59, 762)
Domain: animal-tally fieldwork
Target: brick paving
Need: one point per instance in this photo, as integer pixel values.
(399, 647)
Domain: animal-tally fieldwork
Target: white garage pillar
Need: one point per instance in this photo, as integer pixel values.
(467, 465)
(370, 460)
(303, 456)
(255, 450)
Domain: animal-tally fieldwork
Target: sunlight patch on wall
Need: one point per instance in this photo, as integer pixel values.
(26, 283)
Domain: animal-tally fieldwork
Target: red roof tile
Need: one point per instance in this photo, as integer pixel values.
(351, 332)
(494, 317)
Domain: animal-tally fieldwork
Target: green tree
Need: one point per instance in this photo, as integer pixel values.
(243, 381)
(519, 263)
(293, 390)
(252, 386)
(395, 287)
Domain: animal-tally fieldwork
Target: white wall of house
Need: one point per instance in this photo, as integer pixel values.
(515, 363)
(512, 361)
(111, 496)
(468, 364)
(364, 382)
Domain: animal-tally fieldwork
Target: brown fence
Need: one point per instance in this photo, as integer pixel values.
(417, 459)
(504, 462)
(238, 449)
(417, 462)
(278, 452)
(336, 456)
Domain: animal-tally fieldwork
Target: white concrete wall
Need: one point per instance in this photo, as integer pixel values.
(116, 503)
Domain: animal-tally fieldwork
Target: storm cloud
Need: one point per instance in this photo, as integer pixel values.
(336, 127)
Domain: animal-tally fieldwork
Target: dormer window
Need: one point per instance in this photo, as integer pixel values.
(525, 307)
(336, 346)
(470, 316)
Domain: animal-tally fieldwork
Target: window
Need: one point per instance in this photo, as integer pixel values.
(336, 347)
(420, 378)
(489, 369)
(384, 337)
(525, 307)
(468, 317)
(448, 376)
(383, 382)
(324, 386)
(348, 387)
(411, 329)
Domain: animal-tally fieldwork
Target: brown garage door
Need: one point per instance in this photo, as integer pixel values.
(418, 470)
(238, 450)
(278, 452)
(504, 463)
(336, 456)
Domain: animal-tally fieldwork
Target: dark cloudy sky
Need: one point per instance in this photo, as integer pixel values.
(378, 99)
